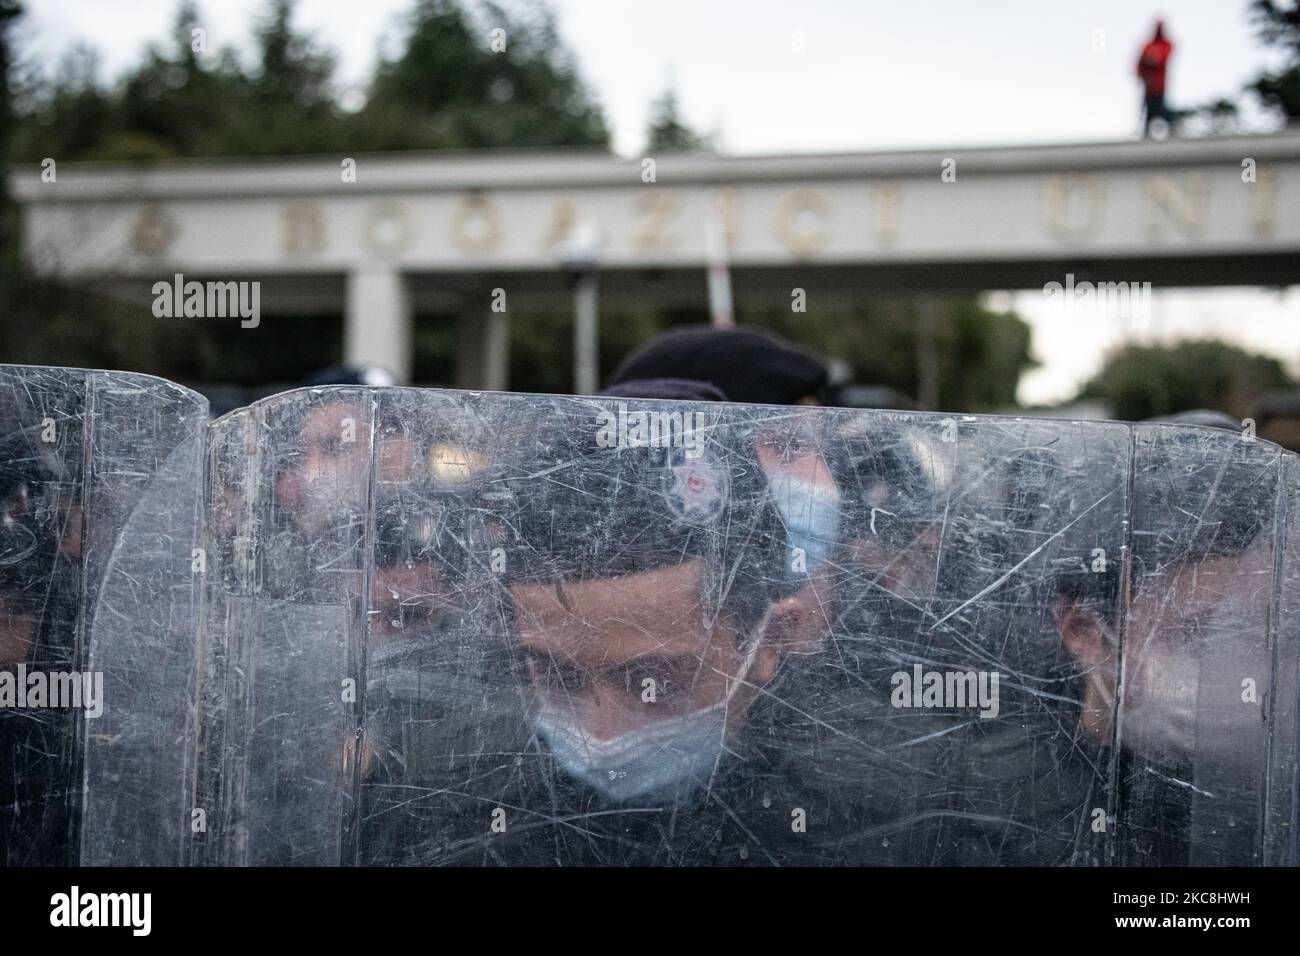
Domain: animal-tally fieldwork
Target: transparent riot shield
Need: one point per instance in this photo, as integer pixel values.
(487, 629)
(290, 483)
(101, 475)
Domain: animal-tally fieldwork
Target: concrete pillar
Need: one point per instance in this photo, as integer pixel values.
(377, 320)
(483, 351)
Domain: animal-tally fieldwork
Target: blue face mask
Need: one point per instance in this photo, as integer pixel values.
(665, 760)
(811, 513)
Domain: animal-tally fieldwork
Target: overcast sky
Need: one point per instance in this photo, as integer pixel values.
(766, 76)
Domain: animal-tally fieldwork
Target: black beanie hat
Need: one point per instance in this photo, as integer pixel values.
(678, 389)
(574, 508)
(749, 365)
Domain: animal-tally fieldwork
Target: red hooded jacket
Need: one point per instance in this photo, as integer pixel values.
(1153, 62)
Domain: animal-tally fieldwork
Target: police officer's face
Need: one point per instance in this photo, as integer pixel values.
(1194, 633)
(791, 447)
(622, 653)
(328, 482)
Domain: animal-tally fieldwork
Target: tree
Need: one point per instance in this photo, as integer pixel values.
(667, 132)
(475, 77)
(290, 92)
(470, 75)
(65, 116)
(292, 71)
(10, 10)
(982, 356)
(1143, 381)
(173, 104)
(1278, 24)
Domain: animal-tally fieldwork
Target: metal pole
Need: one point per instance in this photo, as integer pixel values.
(585, 334)
(721, 313)
(927, 354)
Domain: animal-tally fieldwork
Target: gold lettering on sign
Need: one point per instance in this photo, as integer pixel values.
(386, 228)
(658, 209)
(476, 225)
(1265, 190)
(302, 228)
(1073, 206)
(153, 231)
(1183, 207)
(563, 218)
(887, 195)
(802, 203)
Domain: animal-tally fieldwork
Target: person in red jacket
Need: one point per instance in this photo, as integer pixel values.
(1151, 67)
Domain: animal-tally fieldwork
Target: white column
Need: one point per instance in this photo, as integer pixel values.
(377, 320)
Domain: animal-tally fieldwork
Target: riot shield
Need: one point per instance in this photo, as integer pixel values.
(396, 626)
(101, 557)
(473, 628)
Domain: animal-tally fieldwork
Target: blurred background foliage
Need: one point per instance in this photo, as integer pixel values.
(445, 90)
(1142, 381)
(443, 87)
(1277, 91)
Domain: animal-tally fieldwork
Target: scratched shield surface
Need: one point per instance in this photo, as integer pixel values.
(487, 629)
(101, 475)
